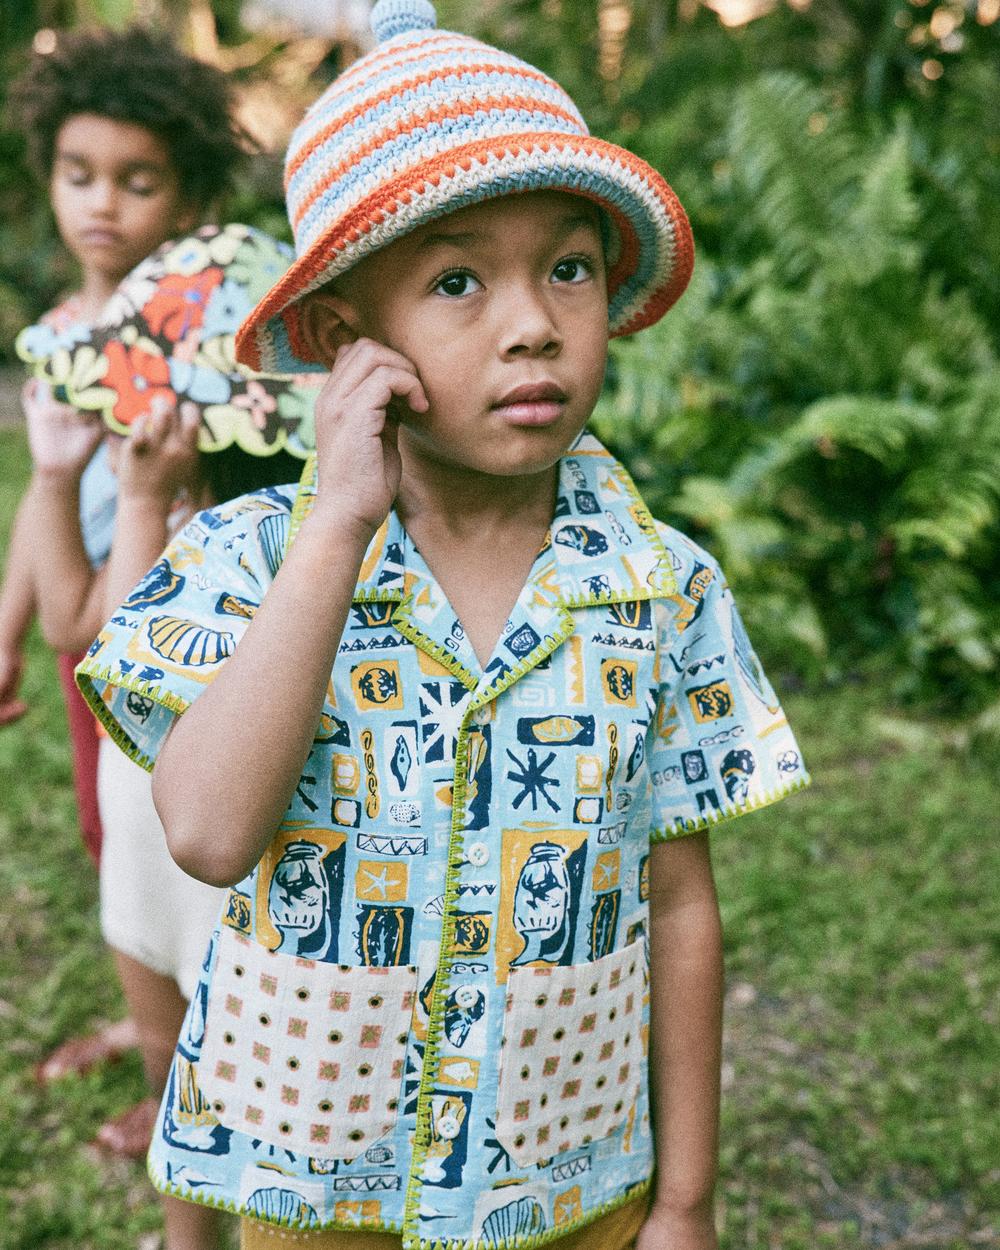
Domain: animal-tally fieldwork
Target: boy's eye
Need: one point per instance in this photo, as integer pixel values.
(458, 282)
(572, 269)
(141, 186)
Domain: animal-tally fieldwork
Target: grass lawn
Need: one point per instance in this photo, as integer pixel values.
(861, 1049)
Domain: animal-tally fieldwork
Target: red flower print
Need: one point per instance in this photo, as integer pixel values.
(179, 303)
(136, 376)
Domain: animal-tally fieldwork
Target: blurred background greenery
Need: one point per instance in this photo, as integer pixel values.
(821, 408)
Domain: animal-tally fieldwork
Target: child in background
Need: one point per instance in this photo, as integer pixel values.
(460, 756)
(134, 141)
(159, 369)
(155, 917)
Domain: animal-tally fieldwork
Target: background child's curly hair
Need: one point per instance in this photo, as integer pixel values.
(139, 77)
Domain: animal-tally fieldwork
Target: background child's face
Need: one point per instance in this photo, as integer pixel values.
(490, 300)
(114, 193)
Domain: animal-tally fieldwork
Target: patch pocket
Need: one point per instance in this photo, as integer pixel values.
(304, 1054)
(572, 1054)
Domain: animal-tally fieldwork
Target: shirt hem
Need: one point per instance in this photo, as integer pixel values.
(684, 829)
(412, 1241)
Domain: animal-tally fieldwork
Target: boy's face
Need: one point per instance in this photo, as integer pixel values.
(502, 307)
(114, 193)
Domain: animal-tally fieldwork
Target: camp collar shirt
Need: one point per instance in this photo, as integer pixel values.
(426, 1009)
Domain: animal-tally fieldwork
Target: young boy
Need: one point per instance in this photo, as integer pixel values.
(475, 696)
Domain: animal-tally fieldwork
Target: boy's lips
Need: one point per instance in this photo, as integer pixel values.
(534, 403)
(100, 236)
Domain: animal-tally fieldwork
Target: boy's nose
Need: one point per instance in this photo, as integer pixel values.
(529, 329)
(104, 197)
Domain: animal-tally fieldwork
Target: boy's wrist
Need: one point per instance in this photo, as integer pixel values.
(142, 497)
(332, 524)
(59, 477)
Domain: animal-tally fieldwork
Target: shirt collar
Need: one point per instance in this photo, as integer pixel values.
(602, 546)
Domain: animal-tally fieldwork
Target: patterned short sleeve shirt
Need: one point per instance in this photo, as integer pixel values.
(426, 1009)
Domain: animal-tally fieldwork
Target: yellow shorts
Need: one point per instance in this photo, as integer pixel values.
(614, 1231)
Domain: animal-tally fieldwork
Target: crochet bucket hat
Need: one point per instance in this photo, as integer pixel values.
(429, 122)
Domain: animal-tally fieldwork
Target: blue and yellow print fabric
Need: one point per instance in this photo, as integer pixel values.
(483, 832)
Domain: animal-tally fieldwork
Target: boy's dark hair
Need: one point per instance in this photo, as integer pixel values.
(235, 472)
(134, 76)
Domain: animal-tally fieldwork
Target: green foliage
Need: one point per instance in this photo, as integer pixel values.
(820, 407)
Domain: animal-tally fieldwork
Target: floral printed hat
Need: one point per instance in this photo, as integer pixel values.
(167, 334)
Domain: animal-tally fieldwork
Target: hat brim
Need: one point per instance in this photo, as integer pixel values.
(650, 262)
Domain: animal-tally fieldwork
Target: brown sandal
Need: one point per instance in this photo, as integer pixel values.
(80, 1054)
(128, 1135)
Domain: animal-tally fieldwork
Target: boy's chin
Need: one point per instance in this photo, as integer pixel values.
(520, 455)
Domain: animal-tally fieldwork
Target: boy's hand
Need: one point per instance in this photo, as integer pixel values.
(159, 458)
(11, 668)
(669, 1229)
(62, 439)
(356, 439)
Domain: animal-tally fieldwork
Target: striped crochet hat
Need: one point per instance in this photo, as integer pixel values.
(429, 122)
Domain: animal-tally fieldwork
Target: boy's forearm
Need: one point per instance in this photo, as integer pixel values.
(17, 594)
(686, 1023)
(228, 770)
(63, 577)
(140, 537)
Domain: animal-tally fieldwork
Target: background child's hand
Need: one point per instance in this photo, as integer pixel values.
(356, 440)
(11, 668)
(159, 458)
(62, 439)
(669, 1229)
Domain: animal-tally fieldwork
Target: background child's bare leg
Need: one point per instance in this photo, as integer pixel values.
(158, 1008)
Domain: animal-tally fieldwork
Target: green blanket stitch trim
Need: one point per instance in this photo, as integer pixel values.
(728, 813)
(186, 1194)
(88, 672)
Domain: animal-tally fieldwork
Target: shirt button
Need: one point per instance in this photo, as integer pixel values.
(466, 996)
(448, 1127)
(481, 716)
(478, 854)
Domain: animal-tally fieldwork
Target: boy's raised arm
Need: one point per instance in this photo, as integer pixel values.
(62, 441)
(17, 608)
(685, 1044)
(228, 769)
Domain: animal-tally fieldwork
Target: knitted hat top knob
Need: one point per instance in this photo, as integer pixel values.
(399, 17)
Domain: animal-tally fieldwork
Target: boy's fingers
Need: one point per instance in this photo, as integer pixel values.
(160, 422)
(356, 361)
(386, 383)
(137, 436)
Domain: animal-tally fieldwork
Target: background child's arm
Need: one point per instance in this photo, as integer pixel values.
(62, 441)
(157, 461)
(17, 608)
(685, 1044)
(227, 772)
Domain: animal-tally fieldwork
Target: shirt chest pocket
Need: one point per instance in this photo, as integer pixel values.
(572, 1057)
(304, 1054)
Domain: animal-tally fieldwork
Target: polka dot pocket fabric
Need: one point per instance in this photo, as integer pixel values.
(572, 1054)
(304, 1054)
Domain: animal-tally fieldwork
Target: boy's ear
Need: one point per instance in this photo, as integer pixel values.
(326, 323)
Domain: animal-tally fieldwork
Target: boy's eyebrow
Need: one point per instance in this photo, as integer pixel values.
(78, 158)
(464, 238)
